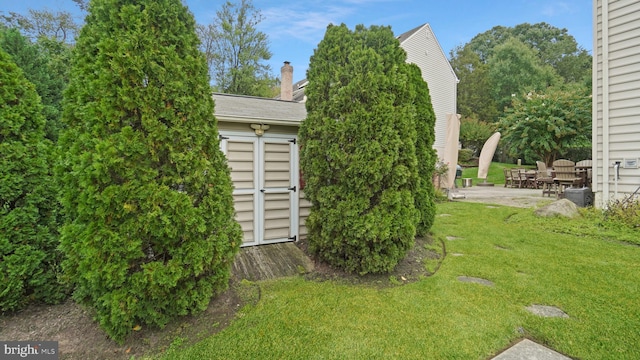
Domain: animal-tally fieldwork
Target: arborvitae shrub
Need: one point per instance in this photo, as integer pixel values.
(29, 260)
(150, 231)
(425, 136)
(358, 150)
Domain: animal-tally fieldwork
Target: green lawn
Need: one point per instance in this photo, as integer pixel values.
(573, 264)
(495, 174)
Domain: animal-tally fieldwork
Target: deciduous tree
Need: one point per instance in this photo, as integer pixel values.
(544, 125)
(236, 50)
(514, 70)
(60, 26)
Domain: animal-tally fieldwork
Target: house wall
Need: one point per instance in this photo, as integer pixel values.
(423, 49)
(616, 98)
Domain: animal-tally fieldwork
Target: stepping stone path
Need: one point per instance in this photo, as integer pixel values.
(456, 254)
(527, 349)
(475, 280)
(547, 311)
(451, 238)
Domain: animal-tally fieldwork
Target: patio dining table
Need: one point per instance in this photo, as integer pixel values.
(583, 173)
(530, 178)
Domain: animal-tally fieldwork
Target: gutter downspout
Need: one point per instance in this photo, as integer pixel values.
(606, 181)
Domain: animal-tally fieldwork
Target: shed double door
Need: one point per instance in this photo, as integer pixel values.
(264, 174)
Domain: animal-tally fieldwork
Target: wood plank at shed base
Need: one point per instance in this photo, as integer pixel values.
(270, 261)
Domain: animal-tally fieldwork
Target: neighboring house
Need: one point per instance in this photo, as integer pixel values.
(423, 49)
(616, 99)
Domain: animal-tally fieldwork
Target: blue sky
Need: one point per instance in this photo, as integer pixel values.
(294, 28)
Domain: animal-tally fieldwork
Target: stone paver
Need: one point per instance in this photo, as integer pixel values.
(475, 280)
(529, 350)
(505, 196)
(547, 311)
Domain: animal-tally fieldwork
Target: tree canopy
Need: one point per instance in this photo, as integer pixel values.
(542, 126)
(515, 60)
(150, 231)
(236, 50)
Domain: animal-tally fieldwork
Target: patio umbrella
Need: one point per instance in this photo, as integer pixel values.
(451, 148)
(486, 155)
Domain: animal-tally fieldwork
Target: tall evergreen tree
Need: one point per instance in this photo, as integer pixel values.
(426, 156)
(28, 228)
(40, 64)
(150, 232)
(358, 150)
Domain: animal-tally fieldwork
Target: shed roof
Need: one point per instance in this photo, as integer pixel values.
(249, 109)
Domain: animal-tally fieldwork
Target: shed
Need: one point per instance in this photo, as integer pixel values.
(616, 99)
(259, 138)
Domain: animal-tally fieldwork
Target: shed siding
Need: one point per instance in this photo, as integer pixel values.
(616, 123)
(424, 50)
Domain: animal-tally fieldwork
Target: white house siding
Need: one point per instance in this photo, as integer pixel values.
(616, 97)
(423, 49)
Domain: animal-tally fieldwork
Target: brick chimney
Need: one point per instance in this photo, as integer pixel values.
(286, 82)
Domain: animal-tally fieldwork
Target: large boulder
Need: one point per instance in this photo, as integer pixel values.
(562, 207)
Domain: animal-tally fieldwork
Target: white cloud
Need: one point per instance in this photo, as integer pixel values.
(303, 23)
(557, 9)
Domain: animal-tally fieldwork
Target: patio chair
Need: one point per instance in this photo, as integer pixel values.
(544, 179)
(565, 175)
(584, 166)
(507, 177)
(517, 178)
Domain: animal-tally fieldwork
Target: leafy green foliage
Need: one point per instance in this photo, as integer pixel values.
(45, 64)
(465, 156)
(625, 212)
(483, 95)
(425, 154)
(474, 98)
(358, 150)
(150, 232)
(514, 70)
(28, 208)
(541, 126)
(474, 133)
(235, 50)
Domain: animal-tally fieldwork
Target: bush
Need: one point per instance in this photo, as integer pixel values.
(358, 150)
(465, 156)
(625, 212)
(150, 231)
(425, 153)
(28, 237)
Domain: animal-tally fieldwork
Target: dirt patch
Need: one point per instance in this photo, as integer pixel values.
(421, 261)
(79, 337)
